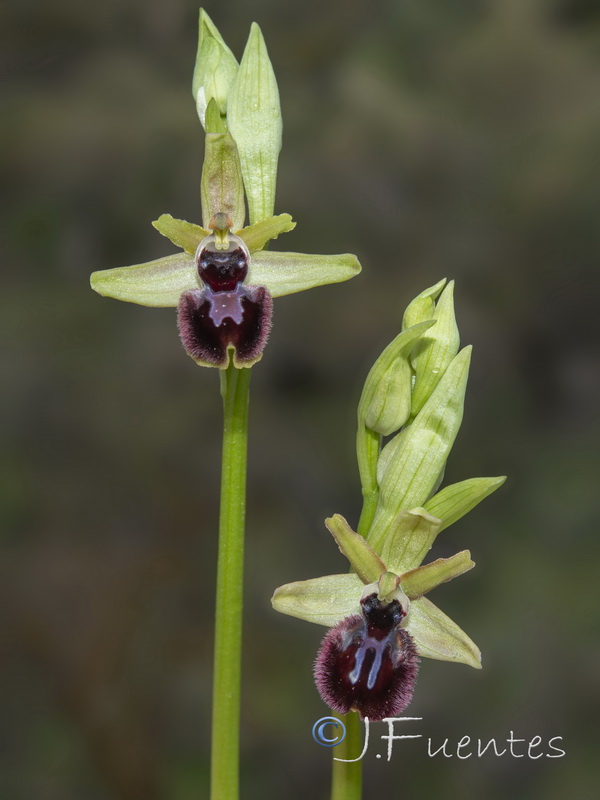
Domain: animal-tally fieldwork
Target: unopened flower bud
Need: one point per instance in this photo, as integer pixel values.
(215, 70)
(386, 398)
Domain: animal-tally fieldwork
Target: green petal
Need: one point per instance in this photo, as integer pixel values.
(286, 273)
(183, 234)
(254, 119)
(434, 352)
(385, 402)
(409, 539)
(256, 236)
(364, 561)
(188, 236)
(222, 185)
(419, 581)
(456, 500)
(215, 69)
(423, 306)
(156, 283)
(325, 601)
(410, 465)
(437, 636)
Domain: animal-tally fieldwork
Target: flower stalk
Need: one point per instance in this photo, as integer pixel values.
(235, 390)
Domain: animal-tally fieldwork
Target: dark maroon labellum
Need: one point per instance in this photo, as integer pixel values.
(211, 322)
(368, 663)
(225, 314)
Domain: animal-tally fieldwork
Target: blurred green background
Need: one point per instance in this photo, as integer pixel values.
(430, 138)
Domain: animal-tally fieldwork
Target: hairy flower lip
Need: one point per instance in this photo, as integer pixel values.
(215, 327)
(368, 663)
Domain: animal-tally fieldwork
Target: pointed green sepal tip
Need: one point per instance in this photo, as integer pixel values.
(437, 636)
(364, 561)
(254, 119)
(324, 601)
(423, 306)
(424, 579)
(287, 273)
(435, 351)
(456, 500)
(213, 121)
(385, 402)
(215, 68)
(158, 283)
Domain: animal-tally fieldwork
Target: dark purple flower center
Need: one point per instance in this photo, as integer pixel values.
(222, 270)
(225, 315)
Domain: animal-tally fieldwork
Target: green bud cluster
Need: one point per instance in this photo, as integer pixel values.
(413, 398)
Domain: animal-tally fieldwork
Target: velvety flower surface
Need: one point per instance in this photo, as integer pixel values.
(368, 662)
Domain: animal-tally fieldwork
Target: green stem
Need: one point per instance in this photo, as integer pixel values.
(368, 447)
(235, 384)
(346, 779)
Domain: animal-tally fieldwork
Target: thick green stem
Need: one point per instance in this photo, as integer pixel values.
(346, 778)
(235, 385)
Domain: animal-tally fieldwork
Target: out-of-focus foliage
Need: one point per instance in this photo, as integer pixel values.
(433, 139)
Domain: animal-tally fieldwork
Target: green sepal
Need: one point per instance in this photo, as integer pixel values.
(254, 120)
(215, 68)
(157, 283)
(162, 282)
(385, 402)
(409, 539)
(222, 184)
(456, 500)
(213, 121)
(286, 273)
(437, 636)
(331, 598)
(364, 561)
(183, 234)
(410, 465)
(433, 353)
(256, 236)
(423, 579)
(423, 306)
(325, 601)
